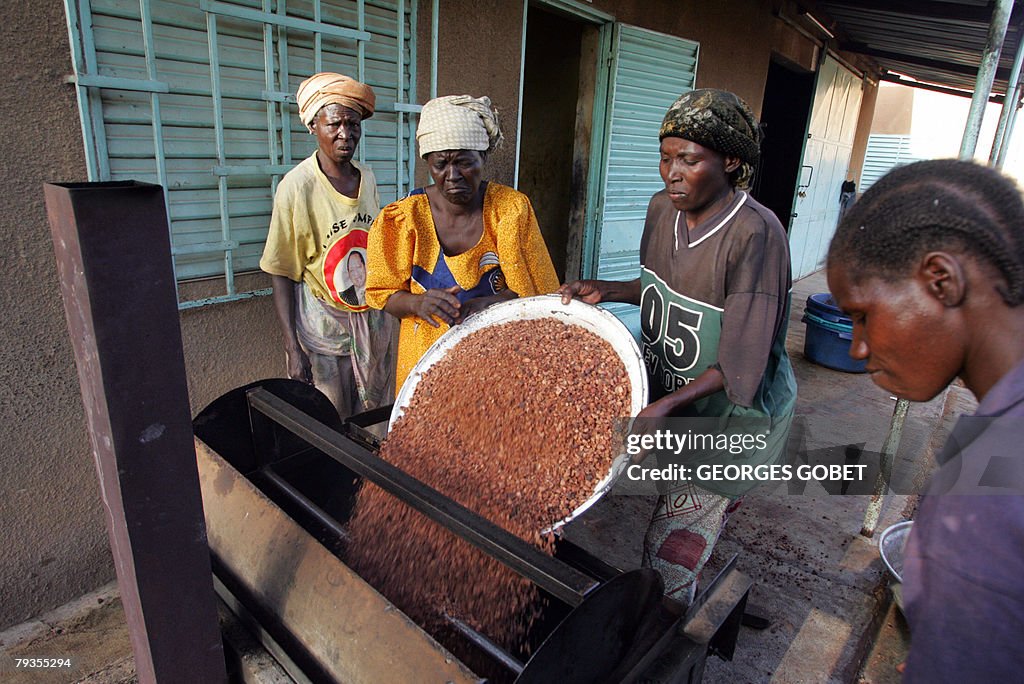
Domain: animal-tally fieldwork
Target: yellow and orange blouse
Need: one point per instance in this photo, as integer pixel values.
(404, 254)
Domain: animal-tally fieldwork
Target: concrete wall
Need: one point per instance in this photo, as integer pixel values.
(480, 44)
(55, 543)
(51, 515)
(479, 52)
(735, 38)
(229, 345)
(793, 49)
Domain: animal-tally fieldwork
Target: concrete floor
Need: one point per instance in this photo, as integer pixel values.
(817, 579)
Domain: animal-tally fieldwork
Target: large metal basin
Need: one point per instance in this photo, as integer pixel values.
(591, 318)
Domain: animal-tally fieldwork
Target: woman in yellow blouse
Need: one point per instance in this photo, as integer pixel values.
(459, 245)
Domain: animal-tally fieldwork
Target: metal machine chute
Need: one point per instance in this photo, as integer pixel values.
(280, 440)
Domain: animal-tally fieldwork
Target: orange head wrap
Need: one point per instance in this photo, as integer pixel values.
(329, 88)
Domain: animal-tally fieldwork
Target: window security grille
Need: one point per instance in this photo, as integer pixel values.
(199, 96)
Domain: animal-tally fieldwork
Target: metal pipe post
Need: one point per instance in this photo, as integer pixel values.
(889, 449)
(986, 76)
(114, 261)
(1010, 127)
(1004, 130)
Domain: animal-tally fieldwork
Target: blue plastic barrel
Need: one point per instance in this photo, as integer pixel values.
(829, 333)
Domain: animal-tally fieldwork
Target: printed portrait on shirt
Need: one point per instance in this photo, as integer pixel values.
(345, 269)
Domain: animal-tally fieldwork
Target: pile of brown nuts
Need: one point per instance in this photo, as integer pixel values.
(517, 423)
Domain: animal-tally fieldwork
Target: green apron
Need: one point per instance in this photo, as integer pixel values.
(680, 339)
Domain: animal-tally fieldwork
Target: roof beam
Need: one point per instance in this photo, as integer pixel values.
(981, 14)
(1002, 73)
(898, 80)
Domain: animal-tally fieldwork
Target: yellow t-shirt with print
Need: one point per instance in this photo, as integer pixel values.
(319, 236)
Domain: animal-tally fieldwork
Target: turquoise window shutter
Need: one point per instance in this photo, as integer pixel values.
(649, 71)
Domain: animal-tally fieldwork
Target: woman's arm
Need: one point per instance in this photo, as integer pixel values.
(389, 255)
(705, 384)
(757, 293)
(284, 303)
(524, 257)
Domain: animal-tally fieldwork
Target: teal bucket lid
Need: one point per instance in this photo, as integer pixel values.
(823, 305)
(822, 311)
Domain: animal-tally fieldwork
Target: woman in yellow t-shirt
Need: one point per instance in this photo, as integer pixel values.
(454, 248)
(323, 209)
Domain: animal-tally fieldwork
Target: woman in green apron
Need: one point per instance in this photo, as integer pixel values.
(713, 293)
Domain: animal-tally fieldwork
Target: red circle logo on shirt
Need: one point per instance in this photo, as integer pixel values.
(345, 270)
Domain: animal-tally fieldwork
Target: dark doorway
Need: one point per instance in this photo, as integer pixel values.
(784, 115)
(551, 89)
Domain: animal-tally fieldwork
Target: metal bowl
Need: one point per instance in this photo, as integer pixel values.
(891, 546)
(591, 318)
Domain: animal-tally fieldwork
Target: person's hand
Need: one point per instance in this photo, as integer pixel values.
(661, 408)
(298, 364)
(583, 290)
(639, 458)
(478, 304)
(440, 304)
(657, 409)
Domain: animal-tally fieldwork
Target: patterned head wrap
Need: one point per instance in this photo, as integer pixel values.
(719, 120)
(458, 122)
(326, 88)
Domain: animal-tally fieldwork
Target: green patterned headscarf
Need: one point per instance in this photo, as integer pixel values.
(719, 120)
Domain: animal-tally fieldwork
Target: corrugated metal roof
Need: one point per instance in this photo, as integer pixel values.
(935, 41)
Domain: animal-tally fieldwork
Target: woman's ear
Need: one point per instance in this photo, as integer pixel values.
(731, 163)
(943, 277)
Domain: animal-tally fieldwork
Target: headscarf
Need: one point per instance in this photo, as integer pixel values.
(719, 120)
(326, 88)
(458, 122)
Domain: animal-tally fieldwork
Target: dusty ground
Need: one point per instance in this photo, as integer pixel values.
(91, 632)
